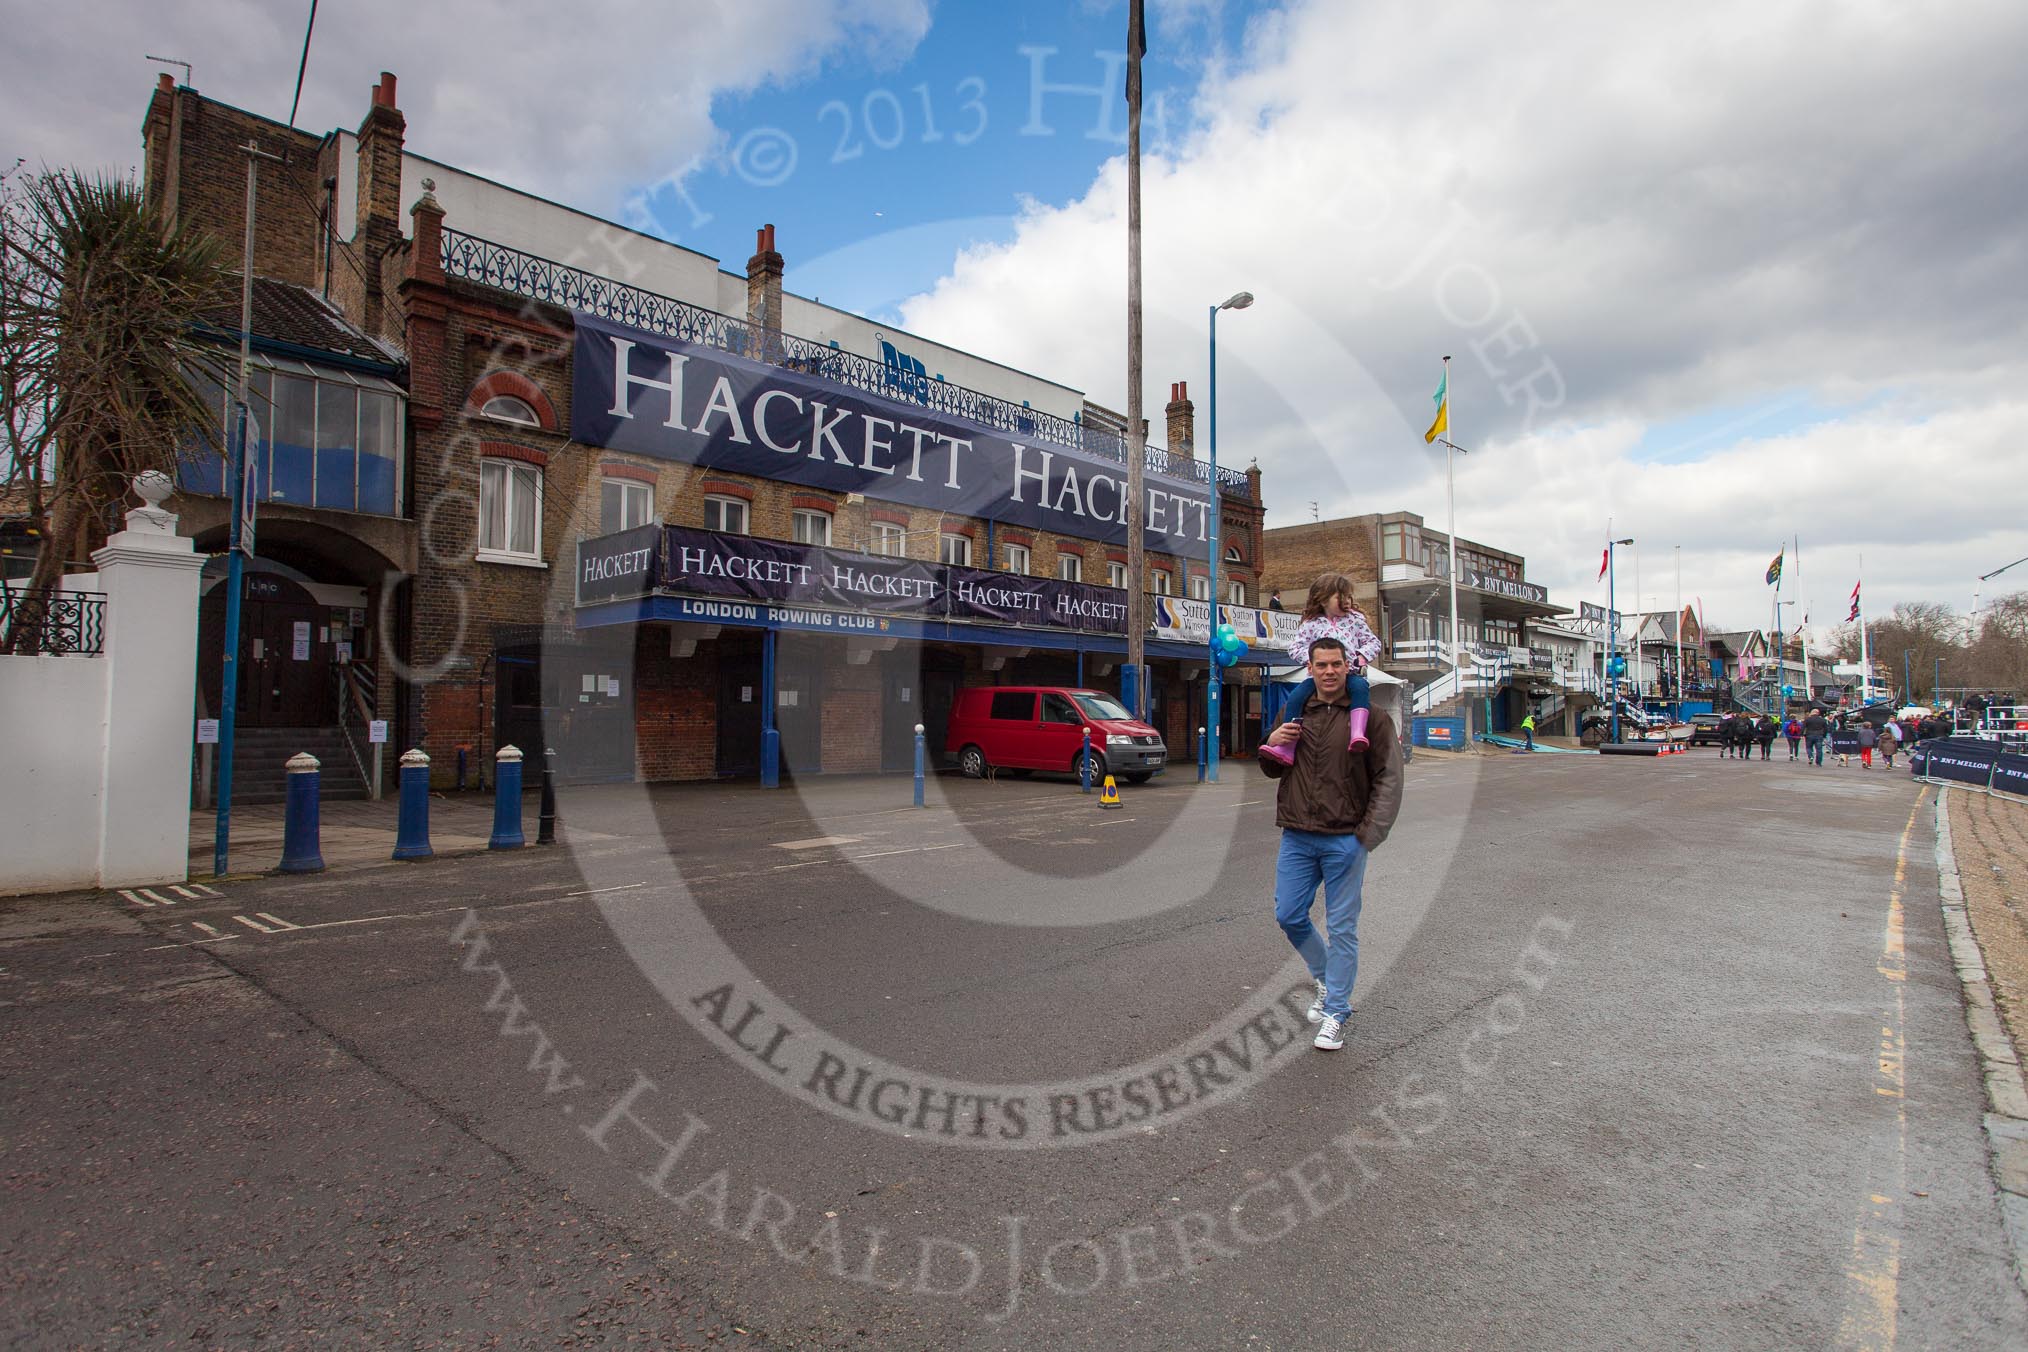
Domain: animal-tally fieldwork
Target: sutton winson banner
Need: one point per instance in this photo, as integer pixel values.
(634, 391)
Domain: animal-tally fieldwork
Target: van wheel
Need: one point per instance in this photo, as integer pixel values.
(973, 762)
(1098, 766)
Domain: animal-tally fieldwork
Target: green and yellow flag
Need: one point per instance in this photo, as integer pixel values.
(1443, 403)
(1774, 570)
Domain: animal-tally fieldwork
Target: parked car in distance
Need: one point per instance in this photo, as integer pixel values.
(1043, 727)
(1705, 730)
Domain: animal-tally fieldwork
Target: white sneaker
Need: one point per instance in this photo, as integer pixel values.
(1330, 1036)
(1315, 1013)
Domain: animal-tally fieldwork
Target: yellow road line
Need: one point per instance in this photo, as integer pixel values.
(1875, 1269)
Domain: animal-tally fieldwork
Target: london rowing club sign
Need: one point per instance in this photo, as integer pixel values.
(634, 391)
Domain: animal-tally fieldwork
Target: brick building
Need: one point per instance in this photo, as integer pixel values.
(435, 450)
(1400, 571)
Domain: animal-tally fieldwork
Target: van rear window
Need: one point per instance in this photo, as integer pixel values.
(1015, 705)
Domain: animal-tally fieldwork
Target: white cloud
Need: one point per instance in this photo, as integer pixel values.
(1613, 217)
(578, 103)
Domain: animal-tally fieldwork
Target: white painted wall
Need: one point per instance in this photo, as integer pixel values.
(97, 750)
(54, 722)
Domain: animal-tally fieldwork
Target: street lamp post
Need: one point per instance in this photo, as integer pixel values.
(1936, 686)
(1907, 683)
(1613, 635)
(1216, 680)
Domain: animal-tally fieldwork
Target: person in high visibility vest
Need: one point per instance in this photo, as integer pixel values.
(1528, 730)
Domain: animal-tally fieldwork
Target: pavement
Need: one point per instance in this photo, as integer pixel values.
(1645, 1053)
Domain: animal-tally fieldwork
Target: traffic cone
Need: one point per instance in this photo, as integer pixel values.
(1111, 796)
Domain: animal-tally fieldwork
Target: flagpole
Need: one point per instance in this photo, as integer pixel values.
(1451, 506)
(1865, 650)
(1679, 633)
(1803, 630)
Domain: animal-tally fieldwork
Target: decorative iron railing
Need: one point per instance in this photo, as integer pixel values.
(524, 274)
(52, 622)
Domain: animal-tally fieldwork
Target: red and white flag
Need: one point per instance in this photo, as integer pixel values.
(1605, 559)
(1855, 604)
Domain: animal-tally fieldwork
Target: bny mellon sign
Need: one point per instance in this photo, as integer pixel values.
(635, 391)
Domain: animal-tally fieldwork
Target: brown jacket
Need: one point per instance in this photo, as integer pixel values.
(1332, 791)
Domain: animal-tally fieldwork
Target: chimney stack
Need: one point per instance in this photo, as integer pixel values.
(764, 296)
(1182, 421)
(377, 226)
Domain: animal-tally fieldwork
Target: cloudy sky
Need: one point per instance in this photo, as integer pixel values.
(1720, 275)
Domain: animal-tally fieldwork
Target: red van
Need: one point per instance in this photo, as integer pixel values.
(1042, 727)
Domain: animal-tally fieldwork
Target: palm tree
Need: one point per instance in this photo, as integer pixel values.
(99, 302)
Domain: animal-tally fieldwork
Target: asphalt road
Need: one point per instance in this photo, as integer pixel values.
(1644, 1054)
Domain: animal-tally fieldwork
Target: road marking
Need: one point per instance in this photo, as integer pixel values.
(156, 897)
(595, 891)
(1875, 1269)
(209, 933)
(273, 926)
(128, 893)
(817, 842)
(183, 892)
(277, 922)
(207, 891)
(913, 849)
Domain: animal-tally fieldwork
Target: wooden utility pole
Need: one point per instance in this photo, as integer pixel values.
(1137, 446)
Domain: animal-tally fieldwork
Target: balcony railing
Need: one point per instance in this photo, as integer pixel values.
(503, 268)
(52, 622)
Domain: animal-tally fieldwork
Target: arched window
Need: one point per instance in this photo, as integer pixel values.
(507, 408)
(1232, 554)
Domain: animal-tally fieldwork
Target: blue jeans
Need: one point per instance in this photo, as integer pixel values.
(1815, 753)
(1338, 862)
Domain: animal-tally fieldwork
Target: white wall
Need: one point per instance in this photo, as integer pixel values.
(52, 726)
(95, 752)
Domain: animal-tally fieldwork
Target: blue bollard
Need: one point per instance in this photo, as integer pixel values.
(300, 850)
(919, 750)
(1200, 755)
(507, 801)
(1084, 765)
(412, 830)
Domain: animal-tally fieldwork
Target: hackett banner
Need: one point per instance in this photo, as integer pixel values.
(708, 564)
(649, 559)
(636, 391)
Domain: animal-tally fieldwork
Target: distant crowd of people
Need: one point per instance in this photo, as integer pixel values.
(1808, 735)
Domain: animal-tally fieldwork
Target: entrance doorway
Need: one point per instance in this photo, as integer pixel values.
(287, 641)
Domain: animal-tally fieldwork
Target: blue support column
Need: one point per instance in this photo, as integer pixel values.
(301, 851)
(921, 749)
(1200, 755)
(771, 740)
(507, 801)
(1084, 765)
(412, 831)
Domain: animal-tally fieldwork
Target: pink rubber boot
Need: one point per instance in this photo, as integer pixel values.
(1358, 720)
(1285, 755)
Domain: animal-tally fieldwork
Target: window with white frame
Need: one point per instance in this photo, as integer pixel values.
(625, 504)
(510, 509)
(1070, 567)
(1158, 582)
(1018, 560)
(1236, 593)
(1116, 575)
(889, 539)
(1232, 554)
(725, 514)
(1200, 587)
(506, 408)
(955, 549)
(809, 527)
